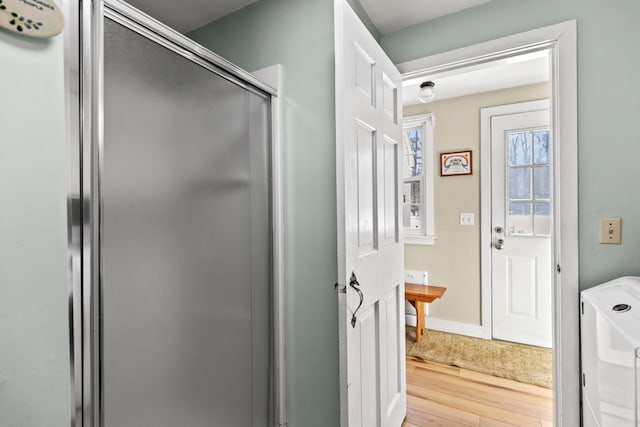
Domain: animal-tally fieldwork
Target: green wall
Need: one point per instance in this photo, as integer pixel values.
(34, 342)
(608, 105)
(298, 34)
(364, 17)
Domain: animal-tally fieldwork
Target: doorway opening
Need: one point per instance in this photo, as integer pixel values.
(498, 298)
(498, 227)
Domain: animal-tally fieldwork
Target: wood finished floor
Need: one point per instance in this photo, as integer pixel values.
(441, 395)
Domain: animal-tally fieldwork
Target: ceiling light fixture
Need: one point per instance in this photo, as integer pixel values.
(426, 93)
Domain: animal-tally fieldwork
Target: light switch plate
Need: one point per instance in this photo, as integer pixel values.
(610, 231)
(467, 218)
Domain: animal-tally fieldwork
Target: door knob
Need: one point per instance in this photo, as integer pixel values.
(499, 244)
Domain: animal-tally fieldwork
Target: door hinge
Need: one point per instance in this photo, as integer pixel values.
(342, 289)
(584, 380)
(558, 268)
(582, 307)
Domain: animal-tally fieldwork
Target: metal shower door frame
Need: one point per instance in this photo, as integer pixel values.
(83, 50)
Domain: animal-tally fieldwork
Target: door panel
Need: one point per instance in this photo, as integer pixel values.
(521, 270)
(390, 98)
(393, 348)
(365, 74)
(389, 192)
(370, 252)
(185, 304)
(365, 161)
(369, 338)
(521, 286)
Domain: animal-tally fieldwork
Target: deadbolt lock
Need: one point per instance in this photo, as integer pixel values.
(499, 230)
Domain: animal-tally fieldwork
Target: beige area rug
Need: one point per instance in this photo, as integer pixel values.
(523, 363)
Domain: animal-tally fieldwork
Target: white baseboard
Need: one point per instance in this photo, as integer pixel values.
(449, 326)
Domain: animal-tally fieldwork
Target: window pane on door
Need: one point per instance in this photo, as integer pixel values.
(519, 183)
(542, 182)
(542, 219)
(519, 148)
(529, 185)
(412, 139)
(541, 147)
(519, 218)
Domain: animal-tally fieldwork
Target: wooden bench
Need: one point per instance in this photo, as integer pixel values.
(417, 295)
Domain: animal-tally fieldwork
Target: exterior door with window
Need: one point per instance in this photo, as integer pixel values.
(370, 249)
(522, 226)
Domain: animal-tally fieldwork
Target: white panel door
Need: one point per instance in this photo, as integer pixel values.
(370, 251)
(522, 226)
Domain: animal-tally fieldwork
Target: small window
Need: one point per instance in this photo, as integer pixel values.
(417, 189)
(529, 183)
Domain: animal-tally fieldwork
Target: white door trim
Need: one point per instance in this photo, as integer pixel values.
(485, 200)
(561, 40)
(272, 76)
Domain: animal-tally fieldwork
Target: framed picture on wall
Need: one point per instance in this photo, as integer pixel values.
(456, 163)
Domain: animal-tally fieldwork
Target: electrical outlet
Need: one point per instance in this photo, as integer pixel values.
(417, 277)
(610, 231)
(467, 218)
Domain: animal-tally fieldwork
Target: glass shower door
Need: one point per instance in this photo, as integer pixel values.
(186, 245)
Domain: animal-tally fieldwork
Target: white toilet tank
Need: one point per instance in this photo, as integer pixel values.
(610, 332)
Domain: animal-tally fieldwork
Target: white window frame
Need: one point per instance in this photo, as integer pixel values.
(426, 234)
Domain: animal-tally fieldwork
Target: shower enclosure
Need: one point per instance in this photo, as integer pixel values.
(175, 296)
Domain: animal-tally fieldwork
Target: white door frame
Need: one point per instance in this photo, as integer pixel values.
(560, 39)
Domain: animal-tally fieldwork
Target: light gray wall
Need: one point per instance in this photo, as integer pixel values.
(34, 343)
(299, 35)
(364, 17)
(608, 105)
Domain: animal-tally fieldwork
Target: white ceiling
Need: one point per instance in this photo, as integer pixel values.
(187, 15)
(389, 16)
(502, 74)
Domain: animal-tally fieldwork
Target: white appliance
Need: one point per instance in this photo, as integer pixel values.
(610, 332)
